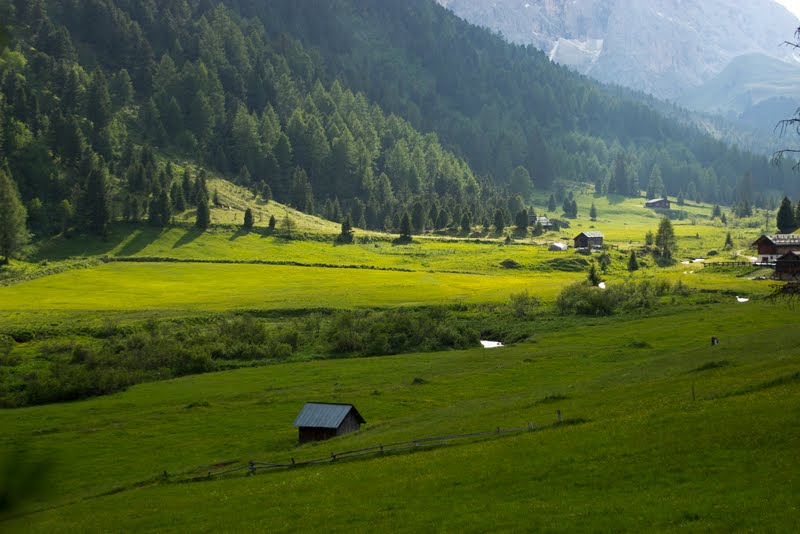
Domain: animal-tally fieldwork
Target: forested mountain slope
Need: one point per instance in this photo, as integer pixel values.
(112, 107)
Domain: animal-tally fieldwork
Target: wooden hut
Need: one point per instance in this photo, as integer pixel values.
(787, 267)
(662, 203)
(319, 421)
(588, 240)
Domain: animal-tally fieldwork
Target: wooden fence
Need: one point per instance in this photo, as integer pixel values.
(252, 467)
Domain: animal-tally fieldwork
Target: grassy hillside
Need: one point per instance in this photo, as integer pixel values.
(645, 456)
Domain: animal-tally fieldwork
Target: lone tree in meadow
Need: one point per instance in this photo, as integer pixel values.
(248, 219)
(633, 264)
(13, 232)
(593, 212)
(272, 222)
(728, 242)
(665, 239)
(287, 226)
(346, 235)
(786, 217)
(593, 277)
(203, 218)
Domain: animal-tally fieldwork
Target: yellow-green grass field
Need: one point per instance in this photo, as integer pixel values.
(644, 456)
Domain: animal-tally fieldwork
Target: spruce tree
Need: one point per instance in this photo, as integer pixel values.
(633, 264)
(96, 200)
(405, 226)
(593, 277)
(272, 222)
(13, 232)
(466, 224)
(786, 217)
(203, 219)
(728, 242)
(593, 212)
(248, 219)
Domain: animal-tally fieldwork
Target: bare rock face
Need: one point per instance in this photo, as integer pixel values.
(662, 47)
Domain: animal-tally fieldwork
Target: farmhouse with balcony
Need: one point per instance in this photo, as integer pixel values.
(657, 203)
(319, 421)
(771, 247)
(588, 240)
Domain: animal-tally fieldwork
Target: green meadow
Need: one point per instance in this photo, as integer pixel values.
(661, 431)
(641, 454)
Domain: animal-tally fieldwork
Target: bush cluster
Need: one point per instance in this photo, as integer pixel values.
(581, 298)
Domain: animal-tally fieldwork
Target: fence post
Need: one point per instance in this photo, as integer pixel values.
(498, 430)
(252, 468)
(333, 457)
(530, 427)
(558, 415)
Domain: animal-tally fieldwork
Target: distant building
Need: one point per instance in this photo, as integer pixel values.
(588, 240)
(787, 266)
(544, 221)
(320, 421)
(657, 203)
(771, 247)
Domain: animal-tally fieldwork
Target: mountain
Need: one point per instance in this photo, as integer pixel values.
(753, 87)
(663, 48)
(116, 109)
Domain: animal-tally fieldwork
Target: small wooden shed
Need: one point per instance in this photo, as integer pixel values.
(662, 203)
(787, 267)
(319, 421)
(588, 240)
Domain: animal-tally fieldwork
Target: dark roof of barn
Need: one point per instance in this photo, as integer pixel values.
(325, 415)
(781, 239)
(590, 234)
(792, 255)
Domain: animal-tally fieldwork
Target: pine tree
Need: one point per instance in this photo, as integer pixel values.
(346, 235)
(272, 222)
(248, 219)
(593, 212)
(786, 217)
(633, 264)
(97, 210)
(593, 277)
(466, 224)
(499, 221)
(728, 242)
(405, 226)
(551, 203)
(13, 232)
(665, 238)
(521, 221)
(203, 218)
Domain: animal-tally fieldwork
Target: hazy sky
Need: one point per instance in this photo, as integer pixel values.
(791, 5)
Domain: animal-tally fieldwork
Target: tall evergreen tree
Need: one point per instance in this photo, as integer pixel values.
(97, 208)
(203, 217)
(786, 217)
(13, 232)
(633, 264)
(665, 238)
(248, 219)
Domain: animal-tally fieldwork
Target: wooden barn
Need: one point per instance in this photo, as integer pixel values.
(787, 267)
(662, 203)
(319, 421)
(588, 240)
(771, 247)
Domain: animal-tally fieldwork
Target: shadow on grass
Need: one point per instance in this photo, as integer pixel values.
(239, 233)
(614, 199)
(140, 238)
(190, 235)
